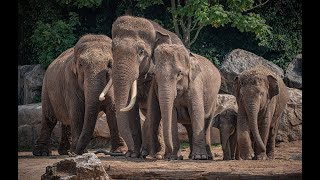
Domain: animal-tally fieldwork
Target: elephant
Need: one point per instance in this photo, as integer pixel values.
(70, 91)
(133, 42)
(186, 86)
(262, 97)
(226, 122)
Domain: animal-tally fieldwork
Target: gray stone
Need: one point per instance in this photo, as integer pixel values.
(293, 77)
(240, 60)
(25, 136)
(22, 70)
(84, 167)
(30, 114)
(290, 125)
(33, 84)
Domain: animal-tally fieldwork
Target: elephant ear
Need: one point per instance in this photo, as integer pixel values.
(216, 121)
(273, 86)
(74, 66)
(161, 38)
(236, 87)
(194, 68)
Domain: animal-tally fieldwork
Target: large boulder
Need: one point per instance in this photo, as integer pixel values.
(290, 125)
(22, 70)
(240, 60)
(29, 126)
(293, 77)
(86, 166)
(33, 84)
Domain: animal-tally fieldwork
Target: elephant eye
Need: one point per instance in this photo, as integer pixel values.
(80, 64)
(141, 51)
(179, 75)
(110, 65)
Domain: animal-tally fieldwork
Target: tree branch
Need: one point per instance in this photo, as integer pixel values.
(196, 35)
(194, 26)
(174, 19)
(261, 4)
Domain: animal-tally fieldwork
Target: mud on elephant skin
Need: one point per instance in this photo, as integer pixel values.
(134, 40)
(70, 94)
(186, 87)
(261, 97)
(226, 122)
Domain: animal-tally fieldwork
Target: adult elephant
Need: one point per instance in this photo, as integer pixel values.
(133, 42)
(70, 91)
(226, 122)
(261, 96)
(186, 87)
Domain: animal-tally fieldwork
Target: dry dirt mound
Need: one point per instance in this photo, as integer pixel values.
(286, 165)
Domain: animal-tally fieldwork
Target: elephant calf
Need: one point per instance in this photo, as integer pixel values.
(185, 86)
(226, 122)
(70, 94)
(261, 96)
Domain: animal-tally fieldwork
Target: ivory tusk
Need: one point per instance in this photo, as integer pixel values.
(105, 90)
(133, 97)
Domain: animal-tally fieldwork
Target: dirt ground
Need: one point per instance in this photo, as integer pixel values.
(286, 165)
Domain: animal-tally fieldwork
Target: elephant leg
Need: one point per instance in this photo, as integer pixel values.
(243, 135)
(135, 127)
(271, 144)
(233, 145)
(196, 112)
(64, 146)
(175, 137)
(117, 143)
(189, 131)
(43, 143)
(208, 125)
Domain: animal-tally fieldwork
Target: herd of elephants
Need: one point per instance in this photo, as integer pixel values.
(146, 69)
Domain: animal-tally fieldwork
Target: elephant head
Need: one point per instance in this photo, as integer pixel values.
(226, 122)
(254, 89)
(175, 69)
(91, 67)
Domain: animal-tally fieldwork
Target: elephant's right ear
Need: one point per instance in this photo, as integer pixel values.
(162, 38)
(216, 121)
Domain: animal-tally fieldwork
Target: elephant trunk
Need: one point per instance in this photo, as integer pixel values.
(92, 88)
(166, 98)
(123, 75)
(252, 109)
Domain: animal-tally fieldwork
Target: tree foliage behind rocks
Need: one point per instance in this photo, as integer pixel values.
(47, 28)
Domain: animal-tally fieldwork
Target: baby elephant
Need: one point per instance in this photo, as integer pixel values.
(186, 86)
(226, 122)
(261, 96)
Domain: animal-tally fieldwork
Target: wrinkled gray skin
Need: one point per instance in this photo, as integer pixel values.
(186, 86)
(226, 122)
(70, 94)
(134, 40)
(261, 97)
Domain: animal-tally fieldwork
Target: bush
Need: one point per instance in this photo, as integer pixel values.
(50, 40)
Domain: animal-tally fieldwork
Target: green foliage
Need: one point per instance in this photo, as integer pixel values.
(51, 39)
(143, 4)
(184, 145)
(36, 99)
(81, 3)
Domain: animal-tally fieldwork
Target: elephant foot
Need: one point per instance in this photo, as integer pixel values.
(144, 153)
(270, 156)
(159, 156)
(41, 150)
(175, 157)
(200, 157)
(261, 156)
(119, 149)
(63, 151)
(132, 154)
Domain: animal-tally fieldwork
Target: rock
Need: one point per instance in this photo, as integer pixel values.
(22, 70)
(25, 136)
(29, 126)
(293, 77)
(239, 60)
(290, 125)
(86, 166)
(30, 114)
(33, 84)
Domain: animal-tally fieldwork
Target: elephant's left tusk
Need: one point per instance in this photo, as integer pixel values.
(133, 97)
(105, 90)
